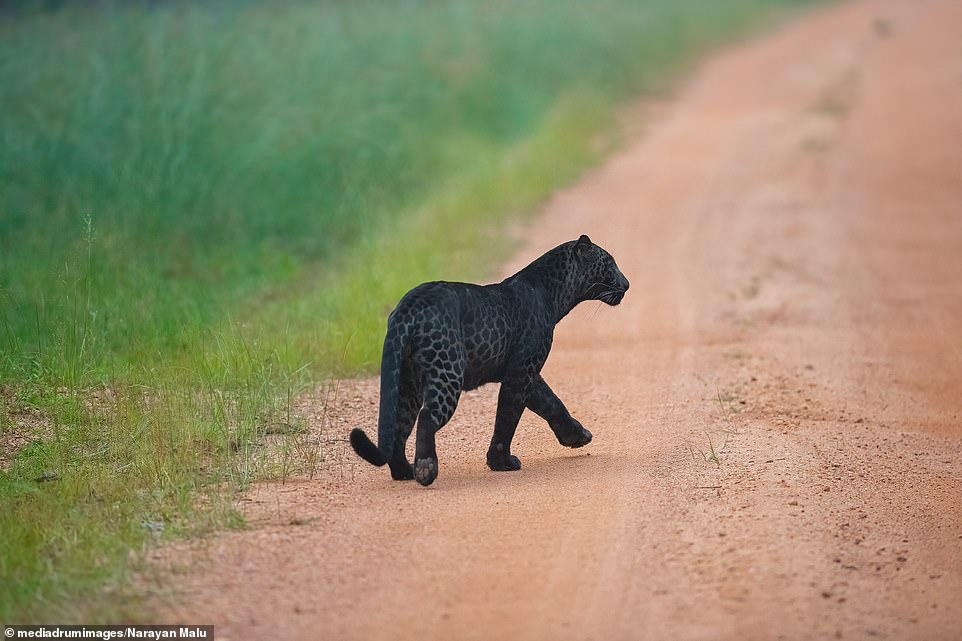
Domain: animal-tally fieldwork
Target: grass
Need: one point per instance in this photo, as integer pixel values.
(206, 208)
(711, 456)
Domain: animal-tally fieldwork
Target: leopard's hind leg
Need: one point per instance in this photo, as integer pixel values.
(440, 400)
(409, 404)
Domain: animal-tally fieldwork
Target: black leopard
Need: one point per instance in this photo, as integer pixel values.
(444, 338)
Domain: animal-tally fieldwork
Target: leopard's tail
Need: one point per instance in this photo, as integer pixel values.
(390, 397)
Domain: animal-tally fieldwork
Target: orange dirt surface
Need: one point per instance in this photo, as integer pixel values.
(777, 404)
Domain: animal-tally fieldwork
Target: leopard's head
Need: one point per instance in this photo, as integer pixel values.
(598, 275)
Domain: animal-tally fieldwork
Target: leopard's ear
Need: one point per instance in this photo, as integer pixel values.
(582, 245)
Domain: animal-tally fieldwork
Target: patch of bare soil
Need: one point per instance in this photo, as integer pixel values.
(19, 425)
(776, 405)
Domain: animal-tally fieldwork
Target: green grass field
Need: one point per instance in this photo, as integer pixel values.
(207, 208)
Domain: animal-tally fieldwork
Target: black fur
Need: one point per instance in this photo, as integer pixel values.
(444, 338)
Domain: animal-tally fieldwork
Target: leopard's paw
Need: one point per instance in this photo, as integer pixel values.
(501, 461)
(576, 436)
(426, 470)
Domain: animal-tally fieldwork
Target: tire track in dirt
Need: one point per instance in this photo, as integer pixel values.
(775, 405)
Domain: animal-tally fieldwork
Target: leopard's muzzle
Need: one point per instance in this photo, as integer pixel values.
(617, 291)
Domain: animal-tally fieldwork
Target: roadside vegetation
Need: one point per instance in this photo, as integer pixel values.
(208, 208)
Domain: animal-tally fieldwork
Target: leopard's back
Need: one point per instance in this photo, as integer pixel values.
(457, 330)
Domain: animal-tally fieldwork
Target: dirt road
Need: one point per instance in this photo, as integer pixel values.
(777, 405)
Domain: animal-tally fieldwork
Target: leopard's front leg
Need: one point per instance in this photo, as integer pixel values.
(545, 403)
(511, 403)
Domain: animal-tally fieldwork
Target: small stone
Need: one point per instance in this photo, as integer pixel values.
(156, 527)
